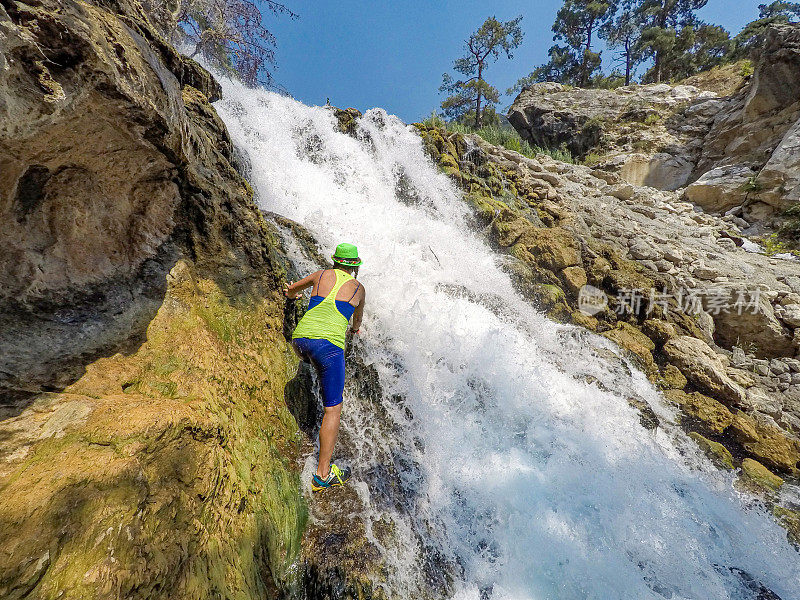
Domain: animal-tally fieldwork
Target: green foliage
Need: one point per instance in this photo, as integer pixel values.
(622, 35)
(753, 184)
(592, 159)
(753, 34)
(774, 245)
(572, 59)
(746, 69)
(651, 119)
(482, 47)
(677, 41)
(230, 34)
(497, 135)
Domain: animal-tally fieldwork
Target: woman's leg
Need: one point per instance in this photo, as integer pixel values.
(328, 432)
(330, 366)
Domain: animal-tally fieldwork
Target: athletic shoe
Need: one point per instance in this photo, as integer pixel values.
(336, 477)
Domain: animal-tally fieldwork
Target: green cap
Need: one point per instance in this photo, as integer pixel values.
(346, 254)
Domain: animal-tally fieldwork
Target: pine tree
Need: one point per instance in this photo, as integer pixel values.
(622, 33)
(483, 46)
(698, 48)
(662, 24)
(752, 35)
(572, 59)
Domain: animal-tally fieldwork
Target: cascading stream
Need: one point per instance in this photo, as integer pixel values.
(539, 484)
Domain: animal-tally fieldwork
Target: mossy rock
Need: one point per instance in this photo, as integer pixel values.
(672, 378)
(659, 331)
(584, 320)
(180, 456)
(634, 341)
(766, 442)
(549, 296)
(757, 474)
(718, 453)
(713, 414)
(790, 520)
(446, 160)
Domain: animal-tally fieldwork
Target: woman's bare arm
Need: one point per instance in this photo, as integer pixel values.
(358, 313)
(292, 290)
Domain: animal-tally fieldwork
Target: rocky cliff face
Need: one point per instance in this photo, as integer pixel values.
(146, 448)
(730, 140)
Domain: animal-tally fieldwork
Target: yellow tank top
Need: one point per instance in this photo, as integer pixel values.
(323, 321)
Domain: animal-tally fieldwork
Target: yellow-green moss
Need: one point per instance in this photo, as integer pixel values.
(714, 450)
(182, 480)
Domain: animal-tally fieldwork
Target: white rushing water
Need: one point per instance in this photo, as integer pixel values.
(536, 483)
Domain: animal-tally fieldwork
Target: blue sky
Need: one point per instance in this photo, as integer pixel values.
(392, 54)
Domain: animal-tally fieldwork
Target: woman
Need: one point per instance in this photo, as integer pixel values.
(320, 339)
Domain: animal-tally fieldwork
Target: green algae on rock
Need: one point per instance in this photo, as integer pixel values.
(757, 474)
(714, 450)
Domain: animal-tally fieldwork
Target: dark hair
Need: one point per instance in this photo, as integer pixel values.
(349, 268)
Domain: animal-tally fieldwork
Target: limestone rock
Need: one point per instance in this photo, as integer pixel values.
(703, 367)
(673, 378)
(633, 340)
(759, 126)
(659, 331)
(145, 454)
(759, 475)
(721, 188)
(623, 192)
(766, 442)
(714, 415)
(779, 179)
(790, 314)
(757, 325)
(555, 249)
(577, 118)
(574, 278)
(660, 170)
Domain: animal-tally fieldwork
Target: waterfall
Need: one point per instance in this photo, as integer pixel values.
(528, 467)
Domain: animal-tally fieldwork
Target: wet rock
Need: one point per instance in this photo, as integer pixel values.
(574, 278)
(673, 378)
(647, 416)
(633, 340)
(152, 455)
(718, 453)
(790, 519)
(766, 442)
(712, 414)
(757, 474)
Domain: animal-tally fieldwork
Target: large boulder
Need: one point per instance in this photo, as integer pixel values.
(721, 188)
(553, 116)
(550, 115)
(704, 368)
(109, 165)
(778, 183)
(755, 326)
(768, 443)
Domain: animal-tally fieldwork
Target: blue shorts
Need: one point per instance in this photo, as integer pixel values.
(328, 360)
